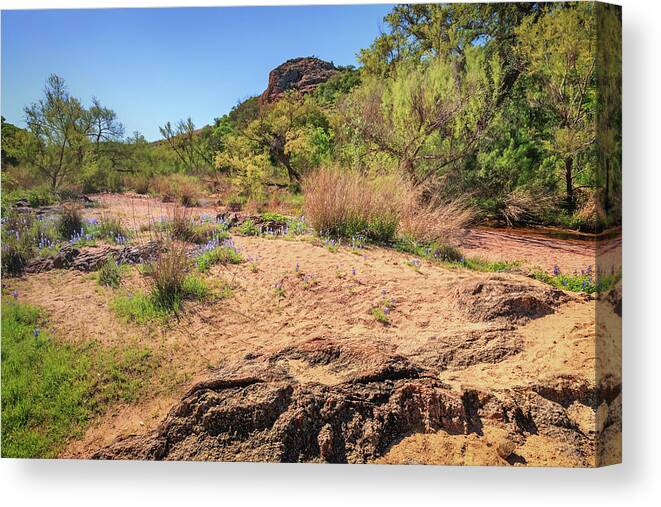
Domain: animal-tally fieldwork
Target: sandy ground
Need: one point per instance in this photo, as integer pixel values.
(326, 299)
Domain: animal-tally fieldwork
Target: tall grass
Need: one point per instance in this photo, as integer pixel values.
(347, 204)
(168, 272)
(185, 189)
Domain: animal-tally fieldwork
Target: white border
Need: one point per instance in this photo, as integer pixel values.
(25, 482)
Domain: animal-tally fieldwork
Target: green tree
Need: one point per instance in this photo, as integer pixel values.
(59, 126)
(293, 135)
(430, 115)
(558, 51)
(13, 139)
(609, 103)
(191, 146)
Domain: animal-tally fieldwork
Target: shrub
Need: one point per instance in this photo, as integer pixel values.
(35, 197)
(110, 273)
(16, 252)
(70, 222)
(236, 202)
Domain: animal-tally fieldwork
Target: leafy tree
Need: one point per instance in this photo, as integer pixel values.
(609, 102)
(558, 51)
(59, 127)
(13, 139)
(64, 136)
(292, 134)
(190, 145)
(429, 115)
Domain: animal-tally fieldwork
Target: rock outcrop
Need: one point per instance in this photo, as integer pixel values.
(302, 74)
(91, 258)
(357, 405)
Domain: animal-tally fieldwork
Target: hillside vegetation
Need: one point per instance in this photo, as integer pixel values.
(494, 104)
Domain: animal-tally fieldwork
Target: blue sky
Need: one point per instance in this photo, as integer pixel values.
(155, 65)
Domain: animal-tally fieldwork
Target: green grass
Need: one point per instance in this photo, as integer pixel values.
(110, 273)
(51, 390)
(138, 308)
(269, 216)
(249, 228)
(585, 282)
(146, 307)
(380, 230)
(452, 256)
(381, 312)
(485, 266)
(219, 255)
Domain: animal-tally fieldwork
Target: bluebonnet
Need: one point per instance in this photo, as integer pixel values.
(35, 332)
(556, 270)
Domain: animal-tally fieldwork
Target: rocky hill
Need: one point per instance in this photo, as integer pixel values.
(302, 74)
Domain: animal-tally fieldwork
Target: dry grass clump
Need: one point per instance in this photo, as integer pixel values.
(181, 224)
(346, 204)
(168, 273)
(182, 188)
(525, 206)
(140, 183)
(439, 222)
(590, 214)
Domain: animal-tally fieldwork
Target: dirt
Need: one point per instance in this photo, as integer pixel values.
(473, 368)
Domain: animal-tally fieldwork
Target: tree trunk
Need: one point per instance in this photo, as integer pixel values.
(569, 180)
